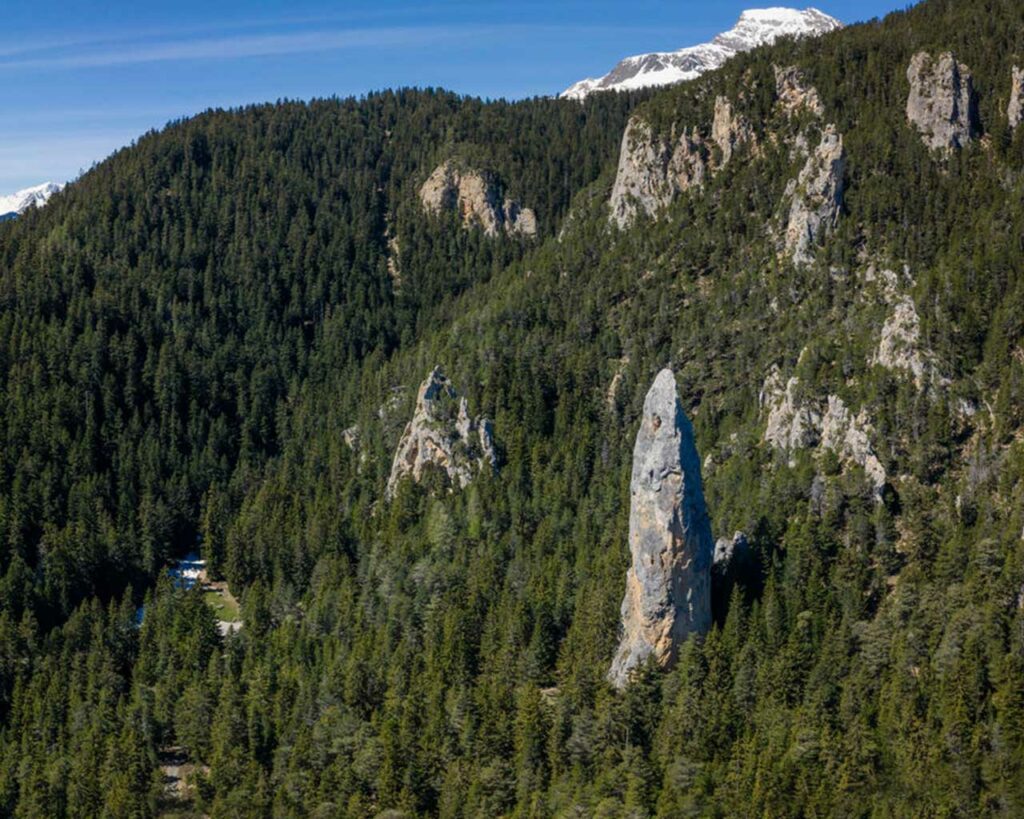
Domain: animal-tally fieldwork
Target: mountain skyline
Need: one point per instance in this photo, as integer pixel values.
(79, 83)
(754, 28)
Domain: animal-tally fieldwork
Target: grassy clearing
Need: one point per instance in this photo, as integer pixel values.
(224, 608)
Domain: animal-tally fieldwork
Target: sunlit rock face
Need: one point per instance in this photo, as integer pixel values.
(475, 196)
(942, 104)
(668, 585)
(442, 434)
(816, 197)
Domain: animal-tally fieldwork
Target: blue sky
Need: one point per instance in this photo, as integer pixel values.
(80, 78)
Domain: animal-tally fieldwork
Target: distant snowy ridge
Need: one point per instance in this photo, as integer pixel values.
(756, 27)
(30, 197)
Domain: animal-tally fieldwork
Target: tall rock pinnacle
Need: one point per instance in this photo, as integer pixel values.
(668, 586)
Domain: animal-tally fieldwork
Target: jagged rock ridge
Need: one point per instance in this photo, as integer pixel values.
(654, 170)
(442, 433)
(755, 27)
(668, 585)
(793, 93)
(17, 203)
(797, 423)
(942, 104)
(476, 196)
(816, 197)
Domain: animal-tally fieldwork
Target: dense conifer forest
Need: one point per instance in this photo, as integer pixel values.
(188, 332)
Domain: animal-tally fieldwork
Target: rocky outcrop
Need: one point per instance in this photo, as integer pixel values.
(942, 104)
(729, 130)
(792, 423)
(668, 585)
(847, 437)
(641, 181)
(816, 197)
(900, 347)
(612, 393)
(476, 196)
(794, 94)
(1015, 110)
(654, 170)
(394, 267)
(442, 434)
(727, 550)
(796, 423)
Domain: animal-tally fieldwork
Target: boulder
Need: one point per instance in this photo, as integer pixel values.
(1015, 110)
(442, 433)
(476, 196)
(816, 197)
(942, 104)
(668, 585)
(726, 549)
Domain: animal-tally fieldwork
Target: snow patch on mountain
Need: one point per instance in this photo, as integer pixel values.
(756, 27)
(21, 201)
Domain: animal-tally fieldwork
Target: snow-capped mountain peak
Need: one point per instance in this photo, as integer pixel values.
(37, 196)
(755, 27)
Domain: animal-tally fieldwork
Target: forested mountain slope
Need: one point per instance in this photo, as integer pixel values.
(203, 337)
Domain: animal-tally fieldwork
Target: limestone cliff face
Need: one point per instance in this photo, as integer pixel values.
(1015, 110)
(794, 94)
(475, 196)
(848, 437)
(942, 104)
(654, 170)
(816, 197)
(668, 585)
(442, 433)
(792, 423)
(805, 423)
(900, 347)
(642, 180)
(729, 130)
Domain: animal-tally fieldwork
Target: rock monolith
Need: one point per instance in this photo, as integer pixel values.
(668, 585)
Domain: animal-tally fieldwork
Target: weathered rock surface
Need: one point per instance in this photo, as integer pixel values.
(394, 268)
(654, 170)
(796, 423)
(942, 104)
(729, 130)
(795, 94)
(1015, 110)
(727, 549)
(642, 181)
(900, 347)
(847, 437)
(668, 586)
(792, 424)
(816, 197)
(476, 196)
(442, 433)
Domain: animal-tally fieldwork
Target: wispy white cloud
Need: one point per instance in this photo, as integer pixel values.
(242, 45)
